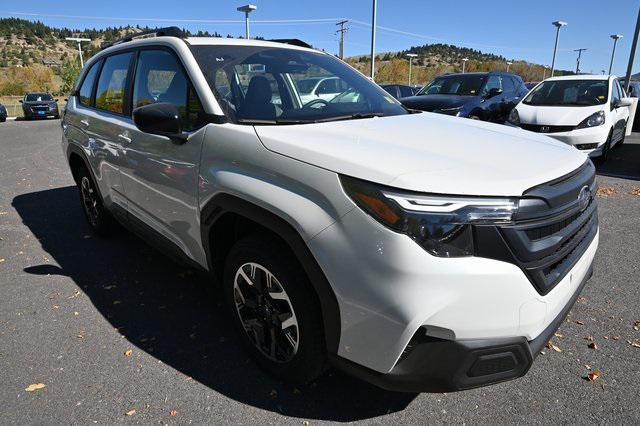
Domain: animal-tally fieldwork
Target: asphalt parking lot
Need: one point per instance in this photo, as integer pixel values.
(110, 326)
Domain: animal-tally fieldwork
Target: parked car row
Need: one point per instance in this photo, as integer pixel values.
(35, 105)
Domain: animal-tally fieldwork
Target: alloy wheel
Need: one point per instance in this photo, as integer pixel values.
(266, 313)
(89, 201)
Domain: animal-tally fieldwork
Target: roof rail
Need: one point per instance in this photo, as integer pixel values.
(293, 42)
(158, 32)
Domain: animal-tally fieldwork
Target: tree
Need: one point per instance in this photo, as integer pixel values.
(69, 72)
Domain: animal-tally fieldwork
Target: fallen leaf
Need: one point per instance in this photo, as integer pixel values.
(558, 335)
(594, 375)
(616, 337)
(635, 191)
(579, 322)
(76, 294)
(635, 344)
(128, 353)
(554, 347)
(1, 260)
(173, 413)
(593, 345)
(76, 313)
(305, 423)
(589, 338)
(131, 412)
(587, 366)
(605, 191)
(35, 387)
(636, 325)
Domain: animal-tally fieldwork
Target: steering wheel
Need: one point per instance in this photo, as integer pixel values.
(316, 102)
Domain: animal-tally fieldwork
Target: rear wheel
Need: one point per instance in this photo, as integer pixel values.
(97, 216)
(274, 309)
(624, 135)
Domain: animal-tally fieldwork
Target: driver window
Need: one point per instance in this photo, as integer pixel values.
(493, 82)
(615, 95)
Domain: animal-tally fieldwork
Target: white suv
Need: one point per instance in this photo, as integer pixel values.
(417, 251)
(589, 112)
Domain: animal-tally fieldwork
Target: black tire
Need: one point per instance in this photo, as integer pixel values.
(309, 360)
(606, 148)
(98, 218)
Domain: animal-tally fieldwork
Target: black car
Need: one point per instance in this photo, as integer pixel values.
(488, 96)
(3, 114)
(399, 90)
(39, 105)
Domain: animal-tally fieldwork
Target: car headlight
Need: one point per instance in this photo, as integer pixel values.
(442, 225)
(450, 111)
(514, 117)
(595, 119)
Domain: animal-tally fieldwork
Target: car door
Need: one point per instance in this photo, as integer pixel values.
(101, 119)
(508, 96)
(619, 114)
(492, 105)
(160, 176)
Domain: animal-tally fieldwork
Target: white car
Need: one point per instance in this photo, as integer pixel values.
(589, 112)
(325, 88)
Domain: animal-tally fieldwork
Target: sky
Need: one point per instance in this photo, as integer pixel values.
(514, 29)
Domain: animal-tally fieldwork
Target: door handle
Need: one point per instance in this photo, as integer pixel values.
(85, 122)
(124, 137)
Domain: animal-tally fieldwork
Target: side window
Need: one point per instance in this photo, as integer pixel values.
(507, 84)
(405, 91)
(615, 93)
(86, 89)
(112, 84)
(160, 78)
(493, 82)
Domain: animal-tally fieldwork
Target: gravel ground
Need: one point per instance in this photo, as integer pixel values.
(111, 326)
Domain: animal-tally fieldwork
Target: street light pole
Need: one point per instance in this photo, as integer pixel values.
(410, 56)
(247, 9)
(79, 41)
(615, 38)
(464, 62)
(632, 55)
(558, 25)
(508, 65)
(373, 40)
(578, 60)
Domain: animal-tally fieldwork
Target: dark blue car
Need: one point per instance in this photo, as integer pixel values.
(488, 96)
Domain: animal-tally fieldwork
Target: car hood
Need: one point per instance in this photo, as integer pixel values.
(434, 102)
(428, 153)
(555, 116)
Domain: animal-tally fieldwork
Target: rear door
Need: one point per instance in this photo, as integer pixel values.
(492, 106)
(620, 114)
(160, 176)
(509, 95)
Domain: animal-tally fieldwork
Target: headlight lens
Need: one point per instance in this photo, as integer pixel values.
(514, 117)
(442, 225)
(596, 119)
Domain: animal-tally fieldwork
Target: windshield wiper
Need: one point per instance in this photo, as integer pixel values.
(356, 116)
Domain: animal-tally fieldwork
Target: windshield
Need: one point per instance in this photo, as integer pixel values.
(38, 97)
(267, 85)
(461, 85)
(569, 93)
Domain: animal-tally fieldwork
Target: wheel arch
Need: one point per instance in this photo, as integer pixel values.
(226, 217)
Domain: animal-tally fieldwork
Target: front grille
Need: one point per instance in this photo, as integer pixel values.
(37, 108)
(553, 228)
(539, 128)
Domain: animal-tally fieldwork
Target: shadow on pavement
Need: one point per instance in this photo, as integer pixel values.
(174, 314)
(623, 162)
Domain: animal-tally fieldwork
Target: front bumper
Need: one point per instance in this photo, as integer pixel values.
(579, 137)
(438, 365)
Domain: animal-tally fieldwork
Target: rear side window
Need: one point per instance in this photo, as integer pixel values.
(405, 91)
(87, 85)
(112, 84)
(160, 78)
(507, 84)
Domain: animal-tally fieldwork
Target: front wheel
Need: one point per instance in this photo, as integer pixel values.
(606, 148)
(274, 309)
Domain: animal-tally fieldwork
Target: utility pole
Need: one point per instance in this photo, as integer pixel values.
(578, 60)
(632, 55)
(373, 40)
(508, 65)
(79, 41)
(464, 62)
(615, 38)
(410, 56)
(558, 25)
(247, 9)
(342, 31)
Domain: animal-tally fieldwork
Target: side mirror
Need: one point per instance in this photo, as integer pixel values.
(494, 92)
(624, 102)
(160, 119)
